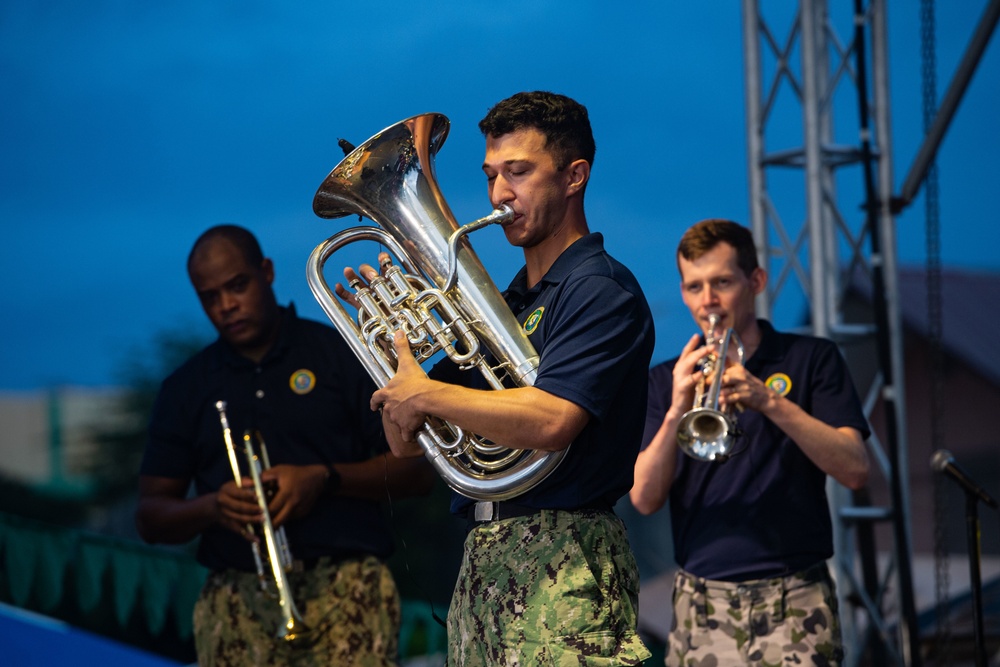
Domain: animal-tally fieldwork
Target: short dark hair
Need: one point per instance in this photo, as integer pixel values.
(562, 120)
(705, 235)
(243, 239)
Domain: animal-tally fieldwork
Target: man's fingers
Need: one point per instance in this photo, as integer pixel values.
(400, 342)
(368, 272)
(404, 356)
(365, 273)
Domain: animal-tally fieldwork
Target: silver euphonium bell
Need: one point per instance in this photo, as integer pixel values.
(705, 432)
(439, 294)
(278, 558)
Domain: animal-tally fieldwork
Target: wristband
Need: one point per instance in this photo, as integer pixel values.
(332, 483)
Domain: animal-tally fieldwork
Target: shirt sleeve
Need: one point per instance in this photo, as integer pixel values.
(592, 345)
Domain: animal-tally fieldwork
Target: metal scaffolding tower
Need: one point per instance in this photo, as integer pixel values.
(809, 245)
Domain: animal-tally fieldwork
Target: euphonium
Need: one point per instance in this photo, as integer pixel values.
(705, 432)
(279, 556)
(444, 302)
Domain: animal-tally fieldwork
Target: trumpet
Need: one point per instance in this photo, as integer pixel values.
(705, 432)
(279, 555)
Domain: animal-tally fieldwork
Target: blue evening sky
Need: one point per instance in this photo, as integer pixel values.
(127, 128)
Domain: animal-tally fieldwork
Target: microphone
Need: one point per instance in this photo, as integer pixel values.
(942, 461)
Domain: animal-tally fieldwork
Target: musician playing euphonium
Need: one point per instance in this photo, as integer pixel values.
(549, 574)
(752, 534)
(295, 383)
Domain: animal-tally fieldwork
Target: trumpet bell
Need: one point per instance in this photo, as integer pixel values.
(296, 633)
(706, 434)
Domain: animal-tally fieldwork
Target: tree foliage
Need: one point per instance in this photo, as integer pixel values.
(120, 441)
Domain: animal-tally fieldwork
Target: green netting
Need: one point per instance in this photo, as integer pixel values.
(159, 579)
(91, 563)
(20, 558)
(39, 560)
(421, 633)
(54, 549)
(127, 568)
(192, 578)
(35, 559)
(132, 582)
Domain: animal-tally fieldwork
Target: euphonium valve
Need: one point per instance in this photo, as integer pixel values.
(437, 292)
(705, 432)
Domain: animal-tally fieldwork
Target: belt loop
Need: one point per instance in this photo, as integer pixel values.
(486, 511)
(781, 604)
(699, 598)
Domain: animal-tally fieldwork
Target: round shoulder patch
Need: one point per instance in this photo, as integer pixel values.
(302, 381)
(531, 323)
(779, 383)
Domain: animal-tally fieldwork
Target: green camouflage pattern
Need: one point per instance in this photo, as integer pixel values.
(555, 588)
(765, 623)
(351, 607)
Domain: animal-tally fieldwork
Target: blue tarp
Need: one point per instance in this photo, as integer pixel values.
(32, 640)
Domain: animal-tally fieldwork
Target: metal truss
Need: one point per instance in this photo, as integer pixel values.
(810, 244)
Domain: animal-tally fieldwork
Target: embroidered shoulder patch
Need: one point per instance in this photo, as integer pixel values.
(531, 323)
(779, 383)
(302, 381)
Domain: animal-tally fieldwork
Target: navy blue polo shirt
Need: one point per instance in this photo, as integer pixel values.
(764, 512)
(308, 397)
(590, 323)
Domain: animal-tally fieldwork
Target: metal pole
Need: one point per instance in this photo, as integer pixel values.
(755, 144)
(812, 26)
(949, 105)
(889, 337)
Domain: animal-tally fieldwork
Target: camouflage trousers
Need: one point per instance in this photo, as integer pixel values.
(555, 588)
(351, 607)
(768, 622)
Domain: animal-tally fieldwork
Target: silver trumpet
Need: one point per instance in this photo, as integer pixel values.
(705, 432)
(279, 555)
(439, 294)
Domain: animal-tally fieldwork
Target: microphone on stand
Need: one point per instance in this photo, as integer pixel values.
(942, 461)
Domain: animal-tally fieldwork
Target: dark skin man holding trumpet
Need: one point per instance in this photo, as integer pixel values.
(270, 426)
